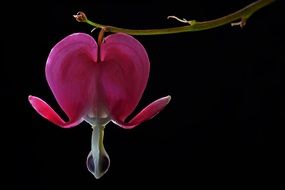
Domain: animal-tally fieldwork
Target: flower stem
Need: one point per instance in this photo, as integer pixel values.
(100, 41)
(242, 14)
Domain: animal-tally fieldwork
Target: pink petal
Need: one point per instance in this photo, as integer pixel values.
(125, 71)
(146, 114)
(71, 74)
(47, 112)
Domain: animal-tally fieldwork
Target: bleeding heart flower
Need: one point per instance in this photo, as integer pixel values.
(98, 84)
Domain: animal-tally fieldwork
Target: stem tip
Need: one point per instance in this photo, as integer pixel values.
(80, 17)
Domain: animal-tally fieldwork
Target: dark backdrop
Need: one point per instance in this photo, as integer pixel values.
(220, 126)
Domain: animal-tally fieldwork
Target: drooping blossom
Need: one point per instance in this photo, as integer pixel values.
(98, 84)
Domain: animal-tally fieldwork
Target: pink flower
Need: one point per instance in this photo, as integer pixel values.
(98, 85)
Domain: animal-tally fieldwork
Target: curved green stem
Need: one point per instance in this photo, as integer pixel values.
(242, 14)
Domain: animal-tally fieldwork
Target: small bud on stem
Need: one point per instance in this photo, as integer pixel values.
(80, 17)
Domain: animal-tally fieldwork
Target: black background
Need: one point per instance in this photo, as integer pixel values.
(222, 124)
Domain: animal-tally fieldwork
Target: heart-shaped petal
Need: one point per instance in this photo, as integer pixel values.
(71, 74)
(125, 73)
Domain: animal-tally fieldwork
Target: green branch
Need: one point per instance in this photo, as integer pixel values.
(241, 15)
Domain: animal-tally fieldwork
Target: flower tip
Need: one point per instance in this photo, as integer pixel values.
(31, 98)
(80, 17)
(33, 101)
(168, 98)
